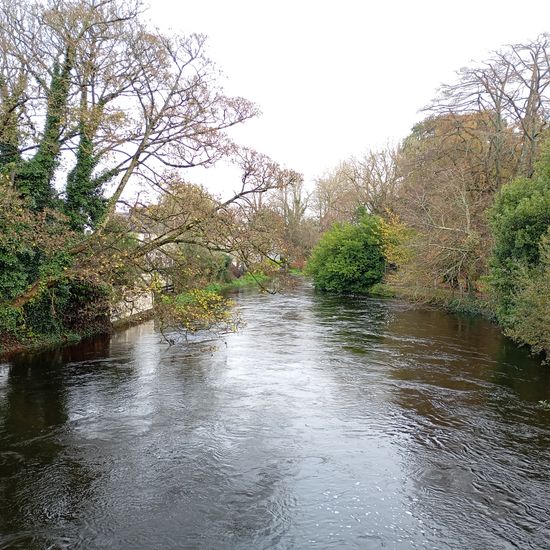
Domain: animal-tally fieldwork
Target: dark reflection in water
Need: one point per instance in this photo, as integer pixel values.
(325, 423)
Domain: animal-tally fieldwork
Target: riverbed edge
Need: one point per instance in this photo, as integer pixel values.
(475, 305)
(44, 343)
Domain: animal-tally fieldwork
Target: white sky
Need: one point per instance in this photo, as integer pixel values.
(335, 78)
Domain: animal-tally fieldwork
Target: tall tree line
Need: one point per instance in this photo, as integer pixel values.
(476, 164)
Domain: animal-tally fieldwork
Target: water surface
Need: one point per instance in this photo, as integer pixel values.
(326, 423)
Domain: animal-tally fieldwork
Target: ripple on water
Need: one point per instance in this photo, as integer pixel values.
(327, 422)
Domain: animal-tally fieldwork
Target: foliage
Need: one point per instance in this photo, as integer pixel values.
(395, 238)
(195, 310)
(202, 308)
(85, 204)
(519, 275)
(247, 280)
(519, 219)
(528, 309)
(34, 177)
(445, 190)
(465, 203)
(382, 290)
(72, 307)
(349, 257)
(99, 112)
(195, 265)
(31, 243)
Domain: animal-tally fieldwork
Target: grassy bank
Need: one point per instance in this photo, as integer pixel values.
(468, 304)
(247, 280)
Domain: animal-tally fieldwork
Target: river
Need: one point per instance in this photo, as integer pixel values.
(325, 423)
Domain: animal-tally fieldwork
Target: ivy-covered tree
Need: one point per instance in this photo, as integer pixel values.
(97, 106)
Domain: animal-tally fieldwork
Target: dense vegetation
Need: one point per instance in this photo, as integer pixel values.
(349, 257)
(470, 185)
(101, 118)
(519, 267)
(99, 112)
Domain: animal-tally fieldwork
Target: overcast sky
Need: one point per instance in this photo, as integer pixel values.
(335, 78)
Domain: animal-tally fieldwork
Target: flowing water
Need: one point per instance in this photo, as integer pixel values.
(326, 423)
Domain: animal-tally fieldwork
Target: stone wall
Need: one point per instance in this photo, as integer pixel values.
(133, 305)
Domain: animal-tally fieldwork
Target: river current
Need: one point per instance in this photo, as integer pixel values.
(325, 423)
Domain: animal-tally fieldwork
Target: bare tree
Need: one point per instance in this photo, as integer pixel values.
(510, 87)
(442, 196)
(368, 181)
(374, 178)
(333, 198)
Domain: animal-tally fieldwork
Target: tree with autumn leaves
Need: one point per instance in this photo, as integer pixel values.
(97, 110)
(469, 188)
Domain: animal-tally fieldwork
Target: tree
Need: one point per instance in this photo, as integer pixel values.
(97, 108)
(112, 93)
(334, 199)
(510, 87)
(482, 131)
(442, 196)
(368, 181)
(349, 257)
(299, 230)
(531, 316)
(374, 178)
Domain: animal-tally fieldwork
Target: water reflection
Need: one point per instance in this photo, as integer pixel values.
(325, 423)
(42, 479)
(466, 456)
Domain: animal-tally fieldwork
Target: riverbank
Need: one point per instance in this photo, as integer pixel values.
(247, 280)
(10, 346)
(452, 301)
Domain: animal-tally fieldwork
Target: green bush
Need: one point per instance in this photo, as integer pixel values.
(519, 268)
(72, 307)
(349, 257)
(531, 313)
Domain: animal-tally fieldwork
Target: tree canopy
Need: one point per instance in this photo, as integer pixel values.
(101, 118)
(520, 221)
(468, 190)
